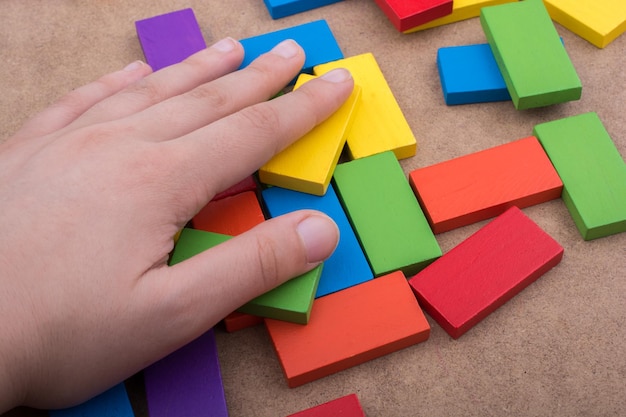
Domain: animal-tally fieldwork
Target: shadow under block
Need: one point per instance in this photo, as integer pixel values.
(348, 328)
(379, 124)
(307, 165)
(461, 10)
(592, 170)
(169, 38)
(598, 21)
(484, 184)
(531, 57)
(230, 215)
(188, 382)
(316, 38)
(406, 14)
(486, 270)
(346, 406)
(236, 321)
(470, 74)
(291, 301)
(113, 402)
(385, 214)
(347, 266)
(284, 8)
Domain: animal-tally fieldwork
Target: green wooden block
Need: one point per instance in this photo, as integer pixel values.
(529, 52)
(291, 301)
(385, 214)
(592, 170)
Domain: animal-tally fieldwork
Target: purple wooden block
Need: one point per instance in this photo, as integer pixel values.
(188, 382)
(169, 38)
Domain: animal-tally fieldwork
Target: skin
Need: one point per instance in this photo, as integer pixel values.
(94, 188)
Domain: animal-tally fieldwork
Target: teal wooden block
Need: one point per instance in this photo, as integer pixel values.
(385, 214)
(291, 301)
(531, 57)
(592, 170)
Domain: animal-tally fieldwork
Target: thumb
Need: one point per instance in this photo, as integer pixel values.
(203, 289)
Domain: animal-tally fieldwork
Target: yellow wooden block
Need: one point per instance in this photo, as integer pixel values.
(597, 21)
(461, 10)
(379, 124)
(308, 164)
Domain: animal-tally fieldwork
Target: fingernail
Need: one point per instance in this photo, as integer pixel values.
(287, 49)
(133, 66)
(337, 75)
(224, 45)
(320, 236)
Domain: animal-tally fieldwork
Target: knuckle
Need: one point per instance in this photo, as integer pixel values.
(264, 119)
(212, 96)
(144, 90)
(268, 262)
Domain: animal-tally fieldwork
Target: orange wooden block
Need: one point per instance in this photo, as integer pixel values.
(230, 215)
(484, 184)
(238, 321)
(349, 327)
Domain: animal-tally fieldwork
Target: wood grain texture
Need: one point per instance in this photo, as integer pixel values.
(484, 271)
(484, 184)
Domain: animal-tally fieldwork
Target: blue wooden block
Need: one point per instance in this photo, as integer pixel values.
(284, 8)
(347, 266)
(188, 382)
(315, 38)
(169, 38)
(113, 402)
(470, 74)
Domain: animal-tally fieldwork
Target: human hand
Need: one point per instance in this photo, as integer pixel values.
(93, 190)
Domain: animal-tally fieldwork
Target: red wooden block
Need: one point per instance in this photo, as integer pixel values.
(237, 321)
(349, 327)
(486, 270)
(347, 406)
(247, 184)
(484, 184)
(230, 215)
(406, 14)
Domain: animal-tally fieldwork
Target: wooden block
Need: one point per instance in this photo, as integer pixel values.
(113, 402)
(484, 184)
(295, 168)
(187, 382)
(592, 170)
(486, 270)
(236, 321)
(231, 215)
(530, 55)
(348, 328)
(346, 406)
(470, 74)
(247, 184)
(284, 8)
(598, 21)
(315, 38)
(169, 38)
(406, 14)
(385, 214)
(291, 301)
(347, 266)
(379, 124)
(461, 10)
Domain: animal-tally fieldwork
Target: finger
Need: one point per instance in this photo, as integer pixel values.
(241, 143)
(258, 82)
(195, 294)
(209, 64)
(75, 104)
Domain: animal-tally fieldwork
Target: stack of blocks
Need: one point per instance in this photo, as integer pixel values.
(368, 296)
